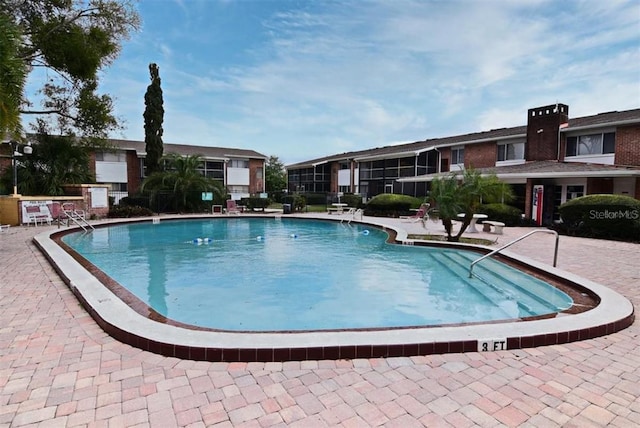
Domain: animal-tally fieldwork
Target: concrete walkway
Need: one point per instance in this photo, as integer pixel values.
(59, 369)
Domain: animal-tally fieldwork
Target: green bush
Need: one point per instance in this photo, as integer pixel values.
(135, 201)
(602, 216)
(256, 203)
(352, 200)
(510, 216)
(298, 202)
(126, 211)
(391, 205)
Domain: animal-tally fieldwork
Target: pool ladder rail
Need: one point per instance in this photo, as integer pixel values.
(497, 250)
(71, 214)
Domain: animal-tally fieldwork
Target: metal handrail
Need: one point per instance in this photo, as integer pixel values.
(555, 253)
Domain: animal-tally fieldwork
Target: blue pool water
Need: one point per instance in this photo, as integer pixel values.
(265, 274)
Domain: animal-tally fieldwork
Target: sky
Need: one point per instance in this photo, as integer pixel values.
(304, 79)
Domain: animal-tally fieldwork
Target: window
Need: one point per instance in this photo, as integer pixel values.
(574, 192)
(238, 189)
(238, 163)
(592, 144)
(118, 187)
(564, 193)
(111, 156)
(457, 155)
(510, 151)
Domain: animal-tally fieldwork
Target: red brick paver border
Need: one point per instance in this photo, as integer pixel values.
(58, 368)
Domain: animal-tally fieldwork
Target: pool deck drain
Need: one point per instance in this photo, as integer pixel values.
(614, 313)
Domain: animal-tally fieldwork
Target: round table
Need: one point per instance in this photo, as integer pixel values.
(472, 225)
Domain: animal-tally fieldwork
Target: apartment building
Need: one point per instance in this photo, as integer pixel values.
(548, 161)
(123, 168)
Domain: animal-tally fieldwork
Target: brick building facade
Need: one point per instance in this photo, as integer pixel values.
(566, 157)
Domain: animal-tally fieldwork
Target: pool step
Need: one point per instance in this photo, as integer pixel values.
(489, 291)
(538, 297)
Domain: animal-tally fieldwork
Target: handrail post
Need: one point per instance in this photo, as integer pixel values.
(497, 250)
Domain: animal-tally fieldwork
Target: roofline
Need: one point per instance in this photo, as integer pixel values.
(438, 146)
(404, 154)
(524, 175)
(599, 125)
(486, 140)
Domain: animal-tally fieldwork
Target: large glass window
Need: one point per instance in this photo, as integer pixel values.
(591, 144)
(212, 169)
(510, 151)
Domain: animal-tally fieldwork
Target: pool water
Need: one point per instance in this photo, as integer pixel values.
(266, 274)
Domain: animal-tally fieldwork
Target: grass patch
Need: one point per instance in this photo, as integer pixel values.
(442, 238)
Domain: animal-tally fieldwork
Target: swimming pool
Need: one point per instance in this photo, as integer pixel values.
(266, 274)
(123, 316)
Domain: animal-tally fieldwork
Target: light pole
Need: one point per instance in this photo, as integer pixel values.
(27, 150)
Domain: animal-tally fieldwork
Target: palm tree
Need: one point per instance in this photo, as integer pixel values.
(453, 195)
(14, 75)
(54, 162)
(182, 178)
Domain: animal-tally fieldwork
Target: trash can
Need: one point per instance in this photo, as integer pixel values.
(286, 208)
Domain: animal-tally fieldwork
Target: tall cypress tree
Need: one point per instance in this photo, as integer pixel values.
(153, 118)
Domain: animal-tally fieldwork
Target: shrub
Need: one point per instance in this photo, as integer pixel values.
(602, 216)
(352, 200)
(510, 216)
(126, 211)
(391, 205)
(297, 202)
(134, 201)
(256, 203)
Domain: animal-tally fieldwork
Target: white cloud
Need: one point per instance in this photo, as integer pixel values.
(330, 77)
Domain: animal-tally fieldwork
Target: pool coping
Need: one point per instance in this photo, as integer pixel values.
(118, 319)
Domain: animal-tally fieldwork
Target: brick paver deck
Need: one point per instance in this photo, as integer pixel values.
(59, 369)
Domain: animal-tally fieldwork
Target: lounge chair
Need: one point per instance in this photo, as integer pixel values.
(56, 213)
(232, 208)
(420, 215)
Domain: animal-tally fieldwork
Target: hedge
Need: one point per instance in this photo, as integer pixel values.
(254, 203)
(352, 200)
(391, 205)
(127, 211)
(602, 216)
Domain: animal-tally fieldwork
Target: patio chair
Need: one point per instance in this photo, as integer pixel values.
(57, 214)
(232, 207)
(420, 215)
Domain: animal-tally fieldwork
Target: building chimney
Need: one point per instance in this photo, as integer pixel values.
(543, 125)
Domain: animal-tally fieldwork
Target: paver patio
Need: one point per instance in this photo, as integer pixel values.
(59, 369)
